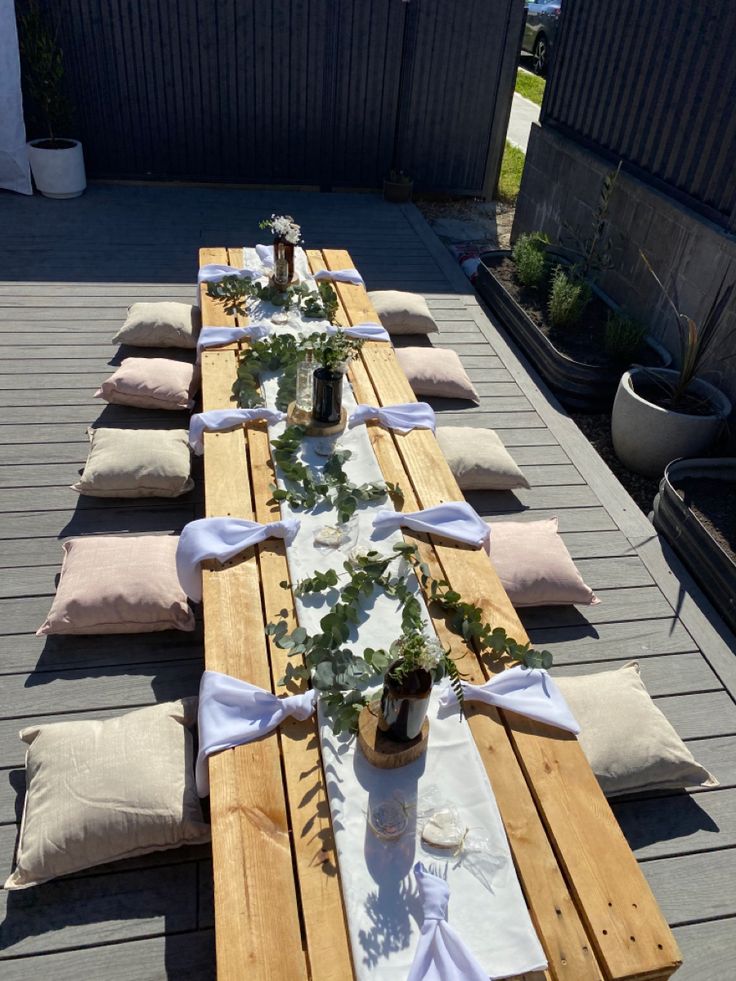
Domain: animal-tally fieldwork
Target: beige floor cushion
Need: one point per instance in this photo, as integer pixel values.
(118, 584)
(478, 459)
(102, 791)
(151, 383)
(629, 743)
(534, 565)
(403, 313)
(436, 371)
(136, 463)
(166, 324)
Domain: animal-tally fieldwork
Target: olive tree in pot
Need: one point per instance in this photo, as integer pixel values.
(661, 415)
(57, 163)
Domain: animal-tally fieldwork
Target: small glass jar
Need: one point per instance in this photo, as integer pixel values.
(304, 381)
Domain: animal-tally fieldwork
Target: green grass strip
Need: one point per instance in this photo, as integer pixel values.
(530, 86)
(509, 180)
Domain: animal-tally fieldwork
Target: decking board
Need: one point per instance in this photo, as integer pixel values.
(55, 337)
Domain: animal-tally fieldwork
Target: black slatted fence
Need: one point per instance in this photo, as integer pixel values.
(315, 92)
(653, 84)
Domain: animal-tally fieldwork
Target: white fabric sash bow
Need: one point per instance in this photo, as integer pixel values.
(402, 417)
(233, 712)
(221, 420)
(367, 332)
(213, 272)
(221, 539)
(441, 954)
(528, 691)
(455, 519)
(215, 336)
(340, 276)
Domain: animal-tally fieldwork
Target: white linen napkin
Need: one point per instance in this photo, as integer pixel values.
(233, 712)
(366, 331)
(441, 954)
(403, 417)
(455, 519)
(215, 336)
(221, 420)
(265, 254)
(213, 272)
(528, 691)
(221, 539)
(340, 276)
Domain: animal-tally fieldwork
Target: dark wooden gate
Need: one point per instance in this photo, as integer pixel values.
(315, 92)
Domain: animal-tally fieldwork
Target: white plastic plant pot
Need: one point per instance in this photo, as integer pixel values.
(58, 172)
(647, 437)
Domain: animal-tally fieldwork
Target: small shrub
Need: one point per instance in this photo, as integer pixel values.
(568, 298)
(530, 258)
(624, 337)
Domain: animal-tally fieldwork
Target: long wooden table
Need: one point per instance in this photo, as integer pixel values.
(278, 905)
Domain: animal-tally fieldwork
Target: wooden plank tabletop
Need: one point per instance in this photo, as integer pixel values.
(592, 907)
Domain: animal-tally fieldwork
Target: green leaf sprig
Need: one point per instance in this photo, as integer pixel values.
(279, 352)
(235, 294)
(335, 351)
(339, 674)
(466, 620)
(308, 487)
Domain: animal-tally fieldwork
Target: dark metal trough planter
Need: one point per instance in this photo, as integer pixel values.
(711, 566)
(578, 386)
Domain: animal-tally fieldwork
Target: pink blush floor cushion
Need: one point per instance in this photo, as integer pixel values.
(535, 567)
(436, 371)
(119, 584)
(151, 383)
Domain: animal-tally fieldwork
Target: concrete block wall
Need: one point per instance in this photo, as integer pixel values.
(560, 189)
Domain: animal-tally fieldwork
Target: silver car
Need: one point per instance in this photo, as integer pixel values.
(539, 31)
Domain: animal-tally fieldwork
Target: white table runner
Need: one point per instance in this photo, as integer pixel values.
(384, 915)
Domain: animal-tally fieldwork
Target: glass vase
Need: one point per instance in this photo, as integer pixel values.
(404, 702)
(327, 396)
(283, 263)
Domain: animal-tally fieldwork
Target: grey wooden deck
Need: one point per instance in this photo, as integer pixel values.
(68, 271)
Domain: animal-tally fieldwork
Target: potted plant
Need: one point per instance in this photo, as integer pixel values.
(547, 297)
(694, 510)
(660, 415)
(397, 187)
(57, 163)
(418, 661)
(333, 352)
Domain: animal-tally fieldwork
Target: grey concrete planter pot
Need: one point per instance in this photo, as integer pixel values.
(711, 566)
(646, 437)
(577, 385)
(59, 172)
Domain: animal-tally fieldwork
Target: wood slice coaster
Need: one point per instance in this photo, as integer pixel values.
(380, 749)
(297, 417)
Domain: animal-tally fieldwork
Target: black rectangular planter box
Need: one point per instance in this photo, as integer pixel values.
(590, 388)
(711, 566)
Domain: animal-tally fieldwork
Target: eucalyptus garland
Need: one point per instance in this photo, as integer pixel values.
(336, 672)
(235, 294)
(466, 620)
(280, 352)
(341, 676)
(306, 486)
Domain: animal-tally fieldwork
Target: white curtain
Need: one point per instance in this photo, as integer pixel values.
(14, 170)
